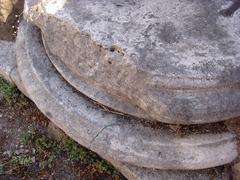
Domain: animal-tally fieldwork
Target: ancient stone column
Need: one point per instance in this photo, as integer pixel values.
(164, 75)
(170, 62)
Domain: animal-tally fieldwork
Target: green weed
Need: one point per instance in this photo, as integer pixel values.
(44, 144)
(8, 90)
(22, 159)
(79, 153)
(27, 136)
(76, 152)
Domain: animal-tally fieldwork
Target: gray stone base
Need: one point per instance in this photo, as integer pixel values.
(136, 173)
(8, 65)
(7, 60)
(114, 137)
(101, 131)
(172, 62)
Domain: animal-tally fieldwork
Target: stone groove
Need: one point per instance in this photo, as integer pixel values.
(77, 46)
(113, 137)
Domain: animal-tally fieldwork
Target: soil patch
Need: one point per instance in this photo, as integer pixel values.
(28, 149)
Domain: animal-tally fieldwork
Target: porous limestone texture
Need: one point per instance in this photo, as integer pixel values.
(175, 62)
(115, 137)
(136, 173)
(7, 59)
(8, 64)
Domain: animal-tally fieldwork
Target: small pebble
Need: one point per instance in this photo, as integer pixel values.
(33, 159)
(34, 151)
(9, 153)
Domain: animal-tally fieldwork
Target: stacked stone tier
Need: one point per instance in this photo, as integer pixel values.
(171, 62)
(111, 73)
(115, 137)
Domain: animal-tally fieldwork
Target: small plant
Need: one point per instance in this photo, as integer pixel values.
(8, 90)
(76, 152)
(27, 136)
(44, 144)
(22, 160)
(102, 167)
(49, 148)
(48, 163)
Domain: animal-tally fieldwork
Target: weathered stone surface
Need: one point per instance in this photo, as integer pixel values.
(113, 137)
(8, 64)
(136, 173)
(175, 62)
(17, 81)
(7, 59)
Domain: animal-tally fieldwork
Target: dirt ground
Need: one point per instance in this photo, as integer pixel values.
(30, 146)
(32, 149)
